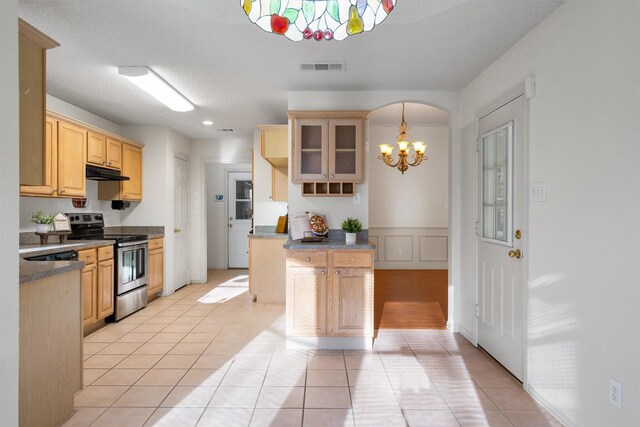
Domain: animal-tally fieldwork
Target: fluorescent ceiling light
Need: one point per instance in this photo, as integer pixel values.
(153, 84)
(207, 123)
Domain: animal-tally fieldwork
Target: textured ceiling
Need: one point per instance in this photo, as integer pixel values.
(238, 75)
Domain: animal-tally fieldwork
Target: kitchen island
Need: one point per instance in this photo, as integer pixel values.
(329, 301)
(267, 265)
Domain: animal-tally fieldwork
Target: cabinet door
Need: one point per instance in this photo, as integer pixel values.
(72, 146)
(279, 184)
(352, 302)
(132, 167)
(306, 301)
(96, 148)
(89, 295)
(156, 271)
(114, 154)
(105, 288)
(50, 184)
(345, 150)
(311, 144)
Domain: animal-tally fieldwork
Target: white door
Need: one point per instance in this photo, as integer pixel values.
(501, 222)
(180, 222)
(240, 213)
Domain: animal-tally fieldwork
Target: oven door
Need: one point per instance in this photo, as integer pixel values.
(132, 266)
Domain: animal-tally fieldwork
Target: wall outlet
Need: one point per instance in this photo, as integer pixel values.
(615, 393)
(356, 198)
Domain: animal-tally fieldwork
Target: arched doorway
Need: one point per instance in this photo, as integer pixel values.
(409, 219)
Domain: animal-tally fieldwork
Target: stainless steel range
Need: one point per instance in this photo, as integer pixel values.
(131, 259)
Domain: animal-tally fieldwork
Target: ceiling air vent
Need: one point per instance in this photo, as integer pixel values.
(322, 66)
(227, 130)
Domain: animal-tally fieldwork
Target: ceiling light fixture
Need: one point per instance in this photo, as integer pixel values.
(403, 142)
(207, 123)
(154, 85)
(317, 19)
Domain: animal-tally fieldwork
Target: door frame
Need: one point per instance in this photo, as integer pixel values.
(228, 173)
(500, 101)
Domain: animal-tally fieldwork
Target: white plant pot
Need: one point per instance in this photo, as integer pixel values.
(350, 237)
(42, 228)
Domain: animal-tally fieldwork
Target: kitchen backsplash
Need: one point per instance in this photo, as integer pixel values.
(52, 206)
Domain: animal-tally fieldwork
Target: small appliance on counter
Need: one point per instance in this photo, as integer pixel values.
(130, 256)
(283, 224)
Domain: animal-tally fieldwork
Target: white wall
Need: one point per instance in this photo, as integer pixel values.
(265, 210)
(59, 106)
(9, 120)
(230, 152)
(157, 205)
(423, 190)
(583, 282)
(217, 182)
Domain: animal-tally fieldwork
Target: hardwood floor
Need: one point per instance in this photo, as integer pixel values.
(411, 299)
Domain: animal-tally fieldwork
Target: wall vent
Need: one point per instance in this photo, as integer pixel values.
(227, 130)
(322, 66)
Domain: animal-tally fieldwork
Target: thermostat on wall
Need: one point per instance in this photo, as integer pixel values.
(219, 197)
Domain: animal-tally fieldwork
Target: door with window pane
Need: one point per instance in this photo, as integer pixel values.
(240, 214)
(500, 229)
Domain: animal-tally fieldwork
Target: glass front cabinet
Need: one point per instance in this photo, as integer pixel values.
(328, 149)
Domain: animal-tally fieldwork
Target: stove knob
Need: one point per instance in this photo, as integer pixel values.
(98, 217)
(77, 217)
(71, 218)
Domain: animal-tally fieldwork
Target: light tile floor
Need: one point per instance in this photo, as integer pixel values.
(209, 356)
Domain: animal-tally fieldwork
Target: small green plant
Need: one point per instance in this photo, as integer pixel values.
(39, 218)
(351, 225)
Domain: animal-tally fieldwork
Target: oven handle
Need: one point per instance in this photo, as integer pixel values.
(137, 243)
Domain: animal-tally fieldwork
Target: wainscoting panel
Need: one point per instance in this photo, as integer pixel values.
(398, 248)
(411, 248)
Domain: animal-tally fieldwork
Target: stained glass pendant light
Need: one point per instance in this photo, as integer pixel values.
(317, 19)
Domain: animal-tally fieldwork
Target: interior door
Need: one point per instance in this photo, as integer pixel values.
(500, 229)
(181, 225)
(240, 214)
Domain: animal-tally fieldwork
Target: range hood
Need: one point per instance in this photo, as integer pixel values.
(96, 173)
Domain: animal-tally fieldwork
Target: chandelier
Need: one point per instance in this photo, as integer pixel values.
(317, 19)
(403, 142)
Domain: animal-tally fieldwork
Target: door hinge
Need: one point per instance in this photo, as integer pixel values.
(477, 228)
(476, 311)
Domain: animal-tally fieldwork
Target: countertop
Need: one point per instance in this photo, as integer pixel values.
(268, 235)
(334, 244)
(27, 251)
(30, 271)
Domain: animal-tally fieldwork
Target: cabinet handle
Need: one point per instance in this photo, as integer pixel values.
(337, 272)
(308, 259)
(330, 176)
(109, 163)
(324, 175)
(61, 191)
(322, 272)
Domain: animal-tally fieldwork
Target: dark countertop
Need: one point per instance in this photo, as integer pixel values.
(153, 232)
(27, 251)
(333, 244)
(268, 235)
(30, 271)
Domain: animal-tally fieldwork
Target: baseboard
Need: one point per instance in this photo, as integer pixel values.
(546, 405)
(465, 333)
(329, 343)
(452, 327)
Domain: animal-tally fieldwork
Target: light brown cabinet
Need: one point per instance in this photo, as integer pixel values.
(328, 147)
(267, 275)
(72, 146)
(104, 151)
(155, 279)
(132, 167)
(113, 154)
(274, 149)
(279, 184)
(49, 187)
(97, 284)
(330, 293)
(32, 53)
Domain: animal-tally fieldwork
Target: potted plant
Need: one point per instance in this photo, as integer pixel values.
(43, 222)
(351, 226)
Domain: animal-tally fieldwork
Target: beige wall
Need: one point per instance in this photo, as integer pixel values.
(9, 212)
(265, 210)
(584, 128)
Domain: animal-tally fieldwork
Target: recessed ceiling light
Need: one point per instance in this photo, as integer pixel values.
(155, 86)
(207, 123)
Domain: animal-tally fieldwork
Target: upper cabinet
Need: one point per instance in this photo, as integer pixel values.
(72, 146)
(274, 145)
(328, 146)
(113, 156)
(33, 47)
(130, 190)
(104, 151)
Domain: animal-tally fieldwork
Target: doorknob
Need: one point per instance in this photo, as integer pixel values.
(230, 225)
(515, 253)
(176, 230)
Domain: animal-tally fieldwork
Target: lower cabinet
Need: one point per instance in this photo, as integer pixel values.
(155, 278)
(97, 284)
(267, 274)
(330, 293)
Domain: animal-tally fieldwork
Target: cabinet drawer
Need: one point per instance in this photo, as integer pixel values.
(87, 256)
(307, 258)
(352, 259)
(155, 243)
(105, 252)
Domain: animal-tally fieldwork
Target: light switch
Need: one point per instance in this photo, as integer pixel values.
(539, 192)
(356, 198)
